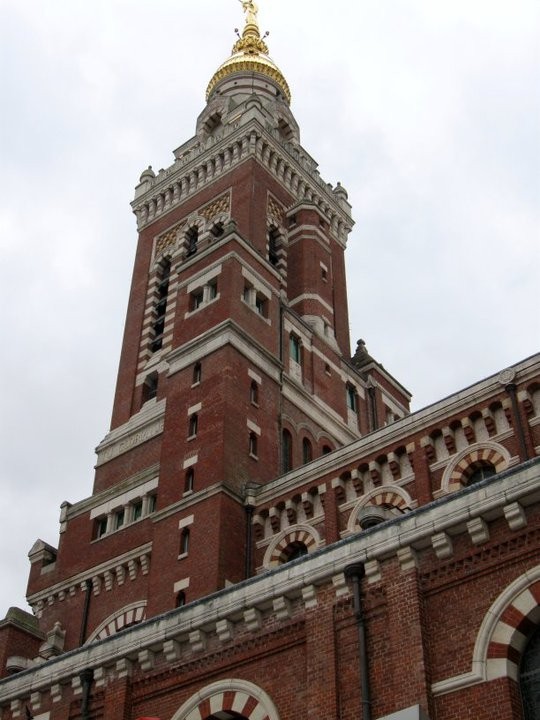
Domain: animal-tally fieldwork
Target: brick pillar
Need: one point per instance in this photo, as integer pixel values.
(422, 475)
(117, 702)
(407, 627)
(331, 515)
(321, 685)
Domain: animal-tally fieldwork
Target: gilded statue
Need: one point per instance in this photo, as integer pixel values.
(251, 10)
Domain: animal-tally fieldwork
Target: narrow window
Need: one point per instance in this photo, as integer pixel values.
(119, 517)
(192, 237)
(160, 307)
(184, 542)
(307, 451)
(197, 298)
(261, 305)
(253, 444)
(189, 482)
(181, 599)
(193, 425)
(136, 510)
(197, 373)
(326, 449)
(212, 290)
(273, 244)
(217, 230)
(294, 348)
(254, 393)
(152, 503)
(100, 527)
(150, 387)
(351, 397)
(286, 451)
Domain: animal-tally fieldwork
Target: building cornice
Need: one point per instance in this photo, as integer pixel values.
(203, 163)
(271, 593)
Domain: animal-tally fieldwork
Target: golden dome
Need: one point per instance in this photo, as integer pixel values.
(250, 54)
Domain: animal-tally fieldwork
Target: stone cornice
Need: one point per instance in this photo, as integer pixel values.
(272, 592)
(143, 426)
(287, 162)
(399, 431)
(97, 570)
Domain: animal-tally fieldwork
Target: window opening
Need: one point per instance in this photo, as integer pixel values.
(184, 542)
(100, 527)
(295, 550)
(152, 503)
(197, 298)
(136, 512)
(119, 517)
(218, 230)
(480, 472)
(273, 244)
(193, 425)
(529, 678)
(307, 451)
(212, 290)
(254, 393)
(189, 482)
(197, 373)
(253, 444)
(181, 599)
(160, 307)
(351, 397)
(286, 451)
(192, 238)
(294, 348)
(326, 449)
(150, 387)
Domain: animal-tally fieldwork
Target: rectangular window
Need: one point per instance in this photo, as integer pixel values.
(152, 502)
(193, 425)
(136, 510)
(351, 397)
(100, 527)
(212, 290)
(119, 517)
(196, 299)
(294, 348)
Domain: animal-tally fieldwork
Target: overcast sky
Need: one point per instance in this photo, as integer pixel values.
(427, 111)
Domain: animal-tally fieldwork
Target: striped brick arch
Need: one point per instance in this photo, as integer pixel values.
(228, 699)
(384, 496)
(507, 627)
(457, 472)
(129, 615)
(278, 552)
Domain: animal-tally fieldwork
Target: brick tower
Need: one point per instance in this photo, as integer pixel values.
(235, 366)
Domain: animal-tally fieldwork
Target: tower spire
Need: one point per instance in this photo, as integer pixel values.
(250, 54)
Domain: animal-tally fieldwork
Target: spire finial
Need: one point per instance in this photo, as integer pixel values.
(251, 10)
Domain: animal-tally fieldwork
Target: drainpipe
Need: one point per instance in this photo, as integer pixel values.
(249, 533)
(86, 677)
(511, 390)
(356, 572)
(86, 608)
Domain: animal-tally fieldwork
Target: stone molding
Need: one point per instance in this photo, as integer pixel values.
(279, 591)
(141, 427)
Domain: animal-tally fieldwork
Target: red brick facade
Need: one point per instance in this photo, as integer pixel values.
(251, 460)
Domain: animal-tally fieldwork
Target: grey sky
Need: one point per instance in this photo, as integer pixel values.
(428, 111)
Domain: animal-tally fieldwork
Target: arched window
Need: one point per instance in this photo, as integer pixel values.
(184, 542)
(160, 307)
(286, 451)
(190, 480)
(295, 550)
(326, 449)
(307, 451)
(217, 230)
(480, 471)
(192, 237)
(529, 678)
